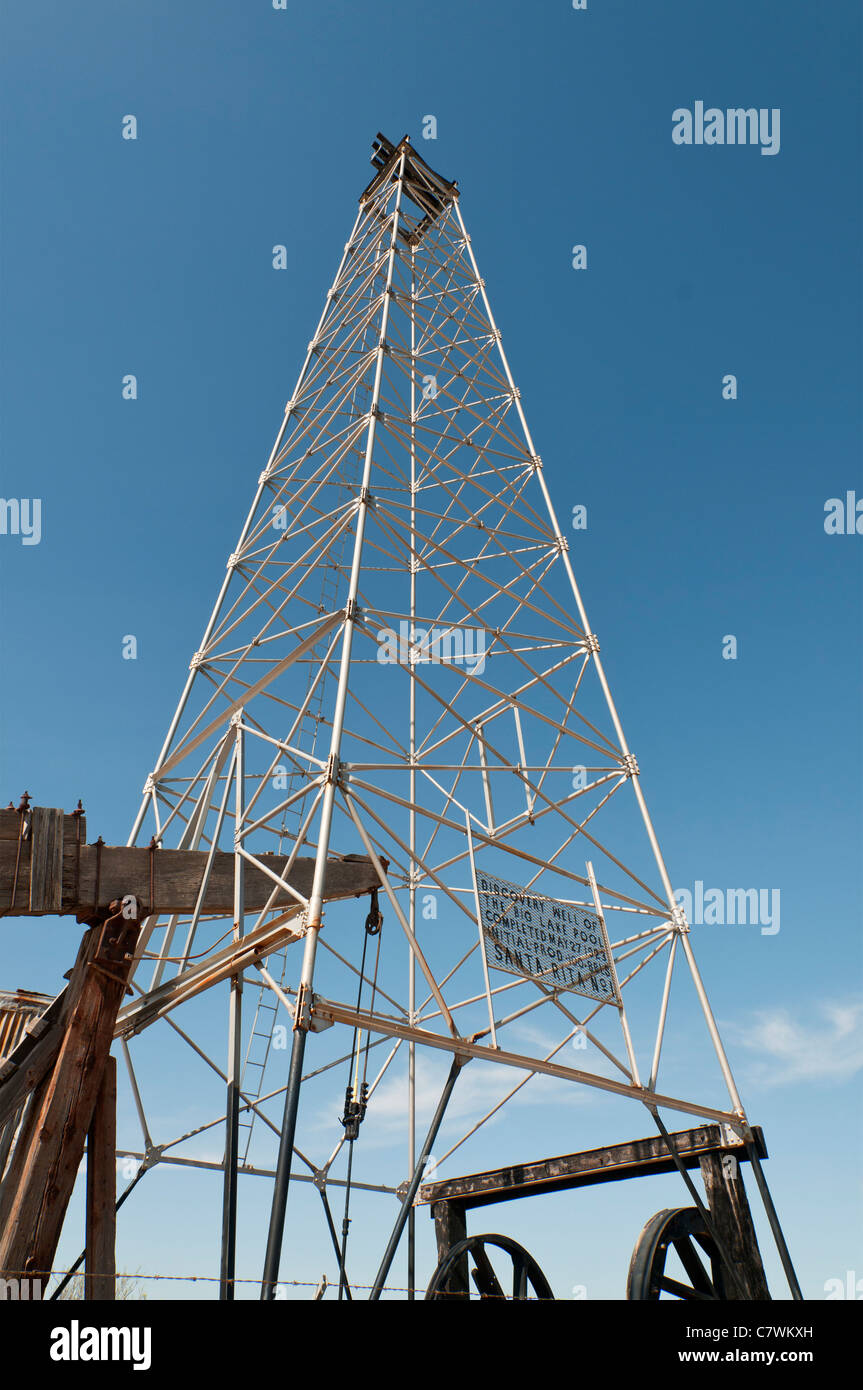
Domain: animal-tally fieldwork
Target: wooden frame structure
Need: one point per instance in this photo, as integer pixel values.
(708, 1148)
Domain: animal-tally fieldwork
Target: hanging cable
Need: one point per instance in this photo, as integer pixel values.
(357, 1091)
(374, 922)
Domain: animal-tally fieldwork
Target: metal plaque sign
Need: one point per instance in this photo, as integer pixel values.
(561, 946)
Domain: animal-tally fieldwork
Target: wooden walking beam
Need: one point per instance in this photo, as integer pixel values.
(47, 868)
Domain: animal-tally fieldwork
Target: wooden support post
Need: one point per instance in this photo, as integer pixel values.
(450, 1226)
(46, 1163)
(100, 1267)
(729, 1209)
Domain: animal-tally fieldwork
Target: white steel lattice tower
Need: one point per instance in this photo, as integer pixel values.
(399, 667)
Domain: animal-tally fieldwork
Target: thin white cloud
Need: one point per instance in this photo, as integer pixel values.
(788, 1049)
(480, 1086)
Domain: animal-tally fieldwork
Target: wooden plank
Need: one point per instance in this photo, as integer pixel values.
(729, 1208)
(46, 859)
(50, 1160)
(15, 877)
(32, 1059)
(7, 1134)
(22, 1147)
(36, 1053)
(89, 880)
(100, 1266)
(633, 1160)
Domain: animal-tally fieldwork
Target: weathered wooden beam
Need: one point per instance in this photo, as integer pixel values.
(633, 1160)
(46, 860)
(17, 1163)
(729, 1209)
(10, 824)
(32, 1058)
(46, 1163)
(450, 1226)
(54, 872)
(7, 1134)
(100, 1267)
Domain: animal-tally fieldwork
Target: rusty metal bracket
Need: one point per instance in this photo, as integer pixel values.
(153, 846)
(303, 1011)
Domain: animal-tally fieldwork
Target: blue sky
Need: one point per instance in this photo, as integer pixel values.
(705, 516)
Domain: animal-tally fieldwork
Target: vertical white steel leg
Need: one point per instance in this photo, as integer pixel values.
(663, 1010)
(491, 1022)
(624, 1023)
(232, 1115)
(313, 920)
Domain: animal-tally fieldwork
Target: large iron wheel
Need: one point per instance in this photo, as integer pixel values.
(526, 1273)
(682, 1230)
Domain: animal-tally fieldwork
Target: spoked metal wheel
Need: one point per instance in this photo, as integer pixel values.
(526, 1279)
(680, 1230)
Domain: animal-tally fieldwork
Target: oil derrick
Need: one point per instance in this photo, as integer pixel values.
(399, 692)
